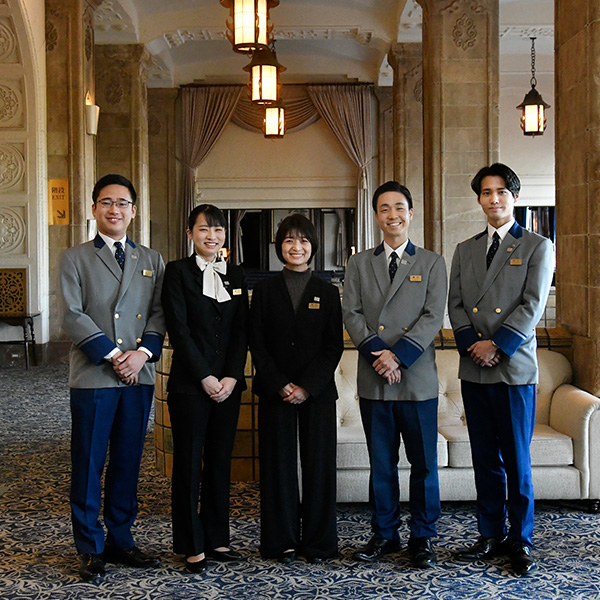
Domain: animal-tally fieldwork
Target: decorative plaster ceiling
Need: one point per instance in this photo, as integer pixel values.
(317, 40)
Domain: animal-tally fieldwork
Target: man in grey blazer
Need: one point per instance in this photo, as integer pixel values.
(499, 285)
(109, 301)
(394, 301)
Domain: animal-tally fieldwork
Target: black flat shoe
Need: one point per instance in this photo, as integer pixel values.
(132, 557)
(422, 554)
(91, 567)
(376, 548)
(287, 557)
(521, 558)
(482, 549)
(224, 555)
(197, 567)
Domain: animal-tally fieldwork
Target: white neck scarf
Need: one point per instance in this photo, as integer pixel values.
(212, 285)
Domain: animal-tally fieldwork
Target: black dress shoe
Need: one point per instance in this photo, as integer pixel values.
(376, 548)
(315, 560)
(521, 558)
(91, 567)
(197, 567)
(132, 557)
(224, 555)
(422, 554)
(287, 557)
(482, 549)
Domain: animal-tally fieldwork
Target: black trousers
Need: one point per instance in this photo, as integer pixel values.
(308, 526)
(203, 437)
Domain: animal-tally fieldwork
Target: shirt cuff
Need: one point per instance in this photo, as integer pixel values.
(109, 356)
(145, 351)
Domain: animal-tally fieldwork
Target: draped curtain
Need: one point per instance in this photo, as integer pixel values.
(237, 237)
(347, 111)
(205, 112)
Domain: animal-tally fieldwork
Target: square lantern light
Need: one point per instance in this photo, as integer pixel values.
(248, 26)
(274, 123)
(264, 72)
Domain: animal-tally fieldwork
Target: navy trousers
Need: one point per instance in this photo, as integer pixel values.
(384, 422)
(500, 419)
(105, 420)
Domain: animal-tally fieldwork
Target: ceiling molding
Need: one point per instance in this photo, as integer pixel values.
(526, 31)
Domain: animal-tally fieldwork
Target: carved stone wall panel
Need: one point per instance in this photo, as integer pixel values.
(12, 168)
(9, 47)
(13, 291)
(12, 101)
(466, 29)
(13, 230)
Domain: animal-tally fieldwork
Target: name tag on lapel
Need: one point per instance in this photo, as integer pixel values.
(516, 262)
(147, 273)
(314, 305)
(237, 292)
(415, 278)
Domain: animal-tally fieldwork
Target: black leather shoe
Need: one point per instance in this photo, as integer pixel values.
(482, 549)
(422, 554)
(224, 555)
(521, 558)
(132, 557)
(197, 567)
(91, 567)
(287, 557)
(376, 548)
(315, 560)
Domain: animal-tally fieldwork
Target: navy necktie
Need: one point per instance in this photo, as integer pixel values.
(393, 265)
(493, 249)
(120, 254)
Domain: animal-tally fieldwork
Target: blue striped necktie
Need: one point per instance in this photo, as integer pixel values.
(120, 254)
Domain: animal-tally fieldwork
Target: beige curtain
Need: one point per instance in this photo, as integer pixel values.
(347, 111)
(205, 112)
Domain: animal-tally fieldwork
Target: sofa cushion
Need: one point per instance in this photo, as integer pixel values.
(548, 447)
(555, 370)
(450, 405)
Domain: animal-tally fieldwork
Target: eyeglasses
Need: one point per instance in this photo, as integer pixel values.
(105, 203)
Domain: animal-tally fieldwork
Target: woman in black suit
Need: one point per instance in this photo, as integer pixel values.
(296, 344)
(206, 306)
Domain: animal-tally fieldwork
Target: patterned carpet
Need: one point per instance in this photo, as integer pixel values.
(38, 561)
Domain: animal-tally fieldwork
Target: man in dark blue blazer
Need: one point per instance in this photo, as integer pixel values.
(109, 300)
(499, 285)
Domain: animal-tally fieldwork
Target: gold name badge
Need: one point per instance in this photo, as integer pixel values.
(415, 278)
(237, 292)
(314, 305)
(147, 273)
(516, 261)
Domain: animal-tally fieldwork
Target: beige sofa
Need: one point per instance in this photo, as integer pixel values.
(565, 450)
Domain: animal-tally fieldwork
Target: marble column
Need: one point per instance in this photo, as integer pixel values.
(577, 42)
(460, 104)
(407, 62)
(123, 131)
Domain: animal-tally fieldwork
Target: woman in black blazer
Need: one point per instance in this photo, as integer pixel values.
(206, 307)
(296, 342)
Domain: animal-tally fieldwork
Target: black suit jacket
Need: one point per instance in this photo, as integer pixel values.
(208, 337)
(303, 348)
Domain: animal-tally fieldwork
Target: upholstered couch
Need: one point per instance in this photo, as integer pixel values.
(565, 449)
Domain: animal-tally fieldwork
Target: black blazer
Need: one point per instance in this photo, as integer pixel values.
(208, 337)
(302, 348)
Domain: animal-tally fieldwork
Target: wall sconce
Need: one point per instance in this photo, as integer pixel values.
(92, 114)
(264, 76)
(533, 119)
(248, 26)
(274, 123)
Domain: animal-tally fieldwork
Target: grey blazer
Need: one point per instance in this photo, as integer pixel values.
(102, 307)
(404, 317)
(503, 303)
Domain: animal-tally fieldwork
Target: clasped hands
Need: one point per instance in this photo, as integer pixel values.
(294, 394)
(484, 353)
(218, 390)
(387, 366)
(127, 365)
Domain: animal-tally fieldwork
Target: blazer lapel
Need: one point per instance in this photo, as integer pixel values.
(405, 264)
(106, 256)
(130, 267)
(478, 257)
(380, 269)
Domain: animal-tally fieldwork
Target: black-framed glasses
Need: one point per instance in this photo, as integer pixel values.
(106, 203)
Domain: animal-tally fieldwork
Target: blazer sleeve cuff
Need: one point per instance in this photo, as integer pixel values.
(369, 345)
(407, 350)
(96, 347)
(508, 339)
(465, 337)
(153, 341)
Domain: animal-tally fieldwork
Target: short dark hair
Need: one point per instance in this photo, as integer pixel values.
(214, 216)
(113, 179)
(392, 186)
(296, 225)
(511, 180)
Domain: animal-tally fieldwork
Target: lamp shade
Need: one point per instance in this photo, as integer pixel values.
(533, 119)
(264, 76)
(249, 27)
(274, 123)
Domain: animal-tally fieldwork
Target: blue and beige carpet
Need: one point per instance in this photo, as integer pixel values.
(38, 561)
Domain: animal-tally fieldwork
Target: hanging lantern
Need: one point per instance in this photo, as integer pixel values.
(264, 76)
(274, 123)
(533, 119)
(248, 26)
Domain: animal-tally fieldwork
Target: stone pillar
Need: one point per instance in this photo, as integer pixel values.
(407, 62)
(123, 131)
(385, 135)
(71, 152)
(460, 96)
(577, 42)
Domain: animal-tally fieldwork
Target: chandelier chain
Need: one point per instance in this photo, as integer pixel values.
(533, 78)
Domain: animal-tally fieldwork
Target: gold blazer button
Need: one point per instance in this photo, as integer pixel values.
(119, 341)
(138, 316)
(381, 328)
(138, 340)
(479, 335)
(117, 315)
(475, 310)
(498, 310)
